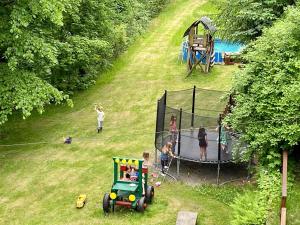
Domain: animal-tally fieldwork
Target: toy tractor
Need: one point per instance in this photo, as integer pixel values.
(131, 193)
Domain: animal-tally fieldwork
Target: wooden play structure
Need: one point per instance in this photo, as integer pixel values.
(200, 46)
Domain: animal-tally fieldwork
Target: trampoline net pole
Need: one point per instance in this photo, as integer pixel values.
(179, 132)
(219, 138)
(218, 175)
(178, 166)
(179, 141)
(156, 126)
(219, 149)
(193, 107)
(163, 118)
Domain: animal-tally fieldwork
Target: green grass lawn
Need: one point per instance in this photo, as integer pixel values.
(39, 183)
(293, 203)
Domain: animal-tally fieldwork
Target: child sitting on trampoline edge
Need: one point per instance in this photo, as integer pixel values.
(202, 137)
(166, 151)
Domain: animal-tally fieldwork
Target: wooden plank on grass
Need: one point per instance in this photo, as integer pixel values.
(186, 218)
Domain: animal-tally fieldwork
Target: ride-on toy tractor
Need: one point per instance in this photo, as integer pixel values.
(132, 192)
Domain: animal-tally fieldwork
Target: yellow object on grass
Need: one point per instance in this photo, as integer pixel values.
(81, 200)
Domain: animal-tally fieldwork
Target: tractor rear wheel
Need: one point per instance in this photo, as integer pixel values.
(149, 194)
(141, 204)
(106, 203)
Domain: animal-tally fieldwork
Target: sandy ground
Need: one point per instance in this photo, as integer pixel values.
(193, 173)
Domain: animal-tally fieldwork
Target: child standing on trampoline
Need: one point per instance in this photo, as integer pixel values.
(173, 131)
(223, 138)
(166, 151)
(202, 137)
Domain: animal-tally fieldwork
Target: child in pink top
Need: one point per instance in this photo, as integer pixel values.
(173, 131)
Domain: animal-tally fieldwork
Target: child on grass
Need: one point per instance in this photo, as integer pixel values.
(100, 117)
(166, 151)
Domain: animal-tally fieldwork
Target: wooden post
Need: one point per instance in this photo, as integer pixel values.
(208, 53)
(284, 188)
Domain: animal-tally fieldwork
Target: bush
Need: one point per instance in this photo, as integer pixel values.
(256, 208)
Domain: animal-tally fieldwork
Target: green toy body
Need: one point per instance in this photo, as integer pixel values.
(128, 193)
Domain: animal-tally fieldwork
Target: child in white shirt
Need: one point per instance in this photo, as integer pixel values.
(100, 118)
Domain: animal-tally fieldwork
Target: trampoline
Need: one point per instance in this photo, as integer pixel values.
(195, 108)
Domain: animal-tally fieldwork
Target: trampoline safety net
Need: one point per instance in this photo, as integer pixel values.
(194, 108)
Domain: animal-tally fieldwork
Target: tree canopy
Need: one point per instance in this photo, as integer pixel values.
(50, 46)
(244, 20)
(267, 91)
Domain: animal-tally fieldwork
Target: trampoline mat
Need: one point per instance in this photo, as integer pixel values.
(190, 150)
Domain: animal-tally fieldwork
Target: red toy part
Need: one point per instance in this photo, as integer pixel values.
(126, 204)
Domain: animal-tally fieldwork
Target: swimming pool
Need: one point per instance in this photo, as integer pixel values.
(224, 46)
(220, 47)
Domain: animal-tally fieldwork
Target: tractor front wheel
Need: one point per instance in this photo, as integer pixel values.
(149, 194)
(106, 203)
(141, 204)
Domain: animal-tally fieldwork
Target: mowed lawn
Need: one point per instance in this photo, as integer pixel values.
(39, 183)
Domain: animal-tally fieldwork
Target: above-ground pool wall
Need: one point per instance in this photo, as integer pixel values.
(221, 47)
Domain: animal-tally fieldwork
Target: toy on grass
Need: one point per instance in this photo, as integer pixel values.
(128, 193)
(68, 140)
(158, 183)
(81, 200)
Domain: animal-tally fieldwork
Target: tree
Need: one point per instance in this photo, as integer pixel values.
(244, 20)
(267, 91)
(54, 46)
(24, 91)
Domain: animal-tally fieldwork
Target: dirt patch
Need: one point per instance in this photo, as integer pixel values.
(192, 173)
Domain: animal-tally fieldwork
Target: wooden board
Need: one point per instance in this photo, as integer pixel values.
(186, 218)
